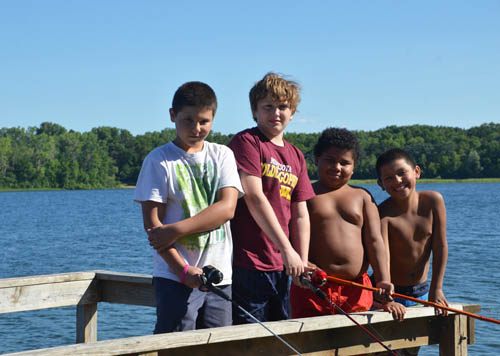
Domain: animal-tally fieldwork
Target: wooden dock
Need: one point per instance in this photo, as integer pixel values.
(325, 335)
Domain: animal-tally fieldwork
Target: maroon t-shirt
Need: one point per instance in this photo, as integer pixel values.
(284, 180)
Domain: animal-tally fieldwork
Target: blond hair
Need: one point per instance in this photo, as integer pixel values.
(279, 88)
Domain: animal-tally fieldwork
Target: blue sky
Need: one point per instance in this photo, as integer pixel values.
(362, 65)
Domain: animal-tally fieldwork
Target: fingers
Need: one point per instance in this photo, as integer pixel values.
(193, 277)
(294, 271)
(400, 312)
(398, 315)
(309, 268)
(439, 311)
(397, 310)
(294, 268)
(439, 298)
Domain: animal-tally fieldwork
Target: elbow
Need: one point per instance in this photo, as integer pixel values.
(253, 200)
(230, 213)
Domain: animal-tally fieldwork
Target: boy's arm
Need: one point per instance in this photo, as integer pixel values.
(300, 231)
(439, 251)
(213, 216)
(264, 215)
(375, 247)
(152, 215)
(396, 309)
(384, 228)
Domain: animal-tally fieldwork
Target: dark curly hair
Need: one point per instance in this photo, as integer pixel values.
(336, 137)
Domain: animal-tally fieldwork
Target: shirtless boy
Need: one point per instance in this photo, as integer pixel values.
(345, 231)
(413, 226)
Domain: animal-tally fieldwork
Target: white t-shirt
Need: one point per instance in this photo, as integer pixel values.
(188, 183)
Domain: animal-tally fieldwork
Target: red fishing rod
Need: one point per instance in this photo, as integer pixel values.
(319, 273)
(318, 279)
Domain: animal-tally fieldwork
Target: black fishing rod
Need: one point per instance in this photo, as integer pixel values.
(211, 276)
(320, 281)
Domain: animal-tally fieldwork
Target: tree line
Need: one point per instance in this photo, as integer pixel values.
(50, 156)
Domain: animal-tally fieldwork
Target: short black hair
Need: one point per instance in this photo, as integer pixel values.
(392, 155)
(197, 94)
(340, 138)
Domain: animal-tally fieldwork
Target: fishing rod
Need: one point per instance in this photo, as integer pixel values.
(211, 276)
(317, 279)
(402, 296)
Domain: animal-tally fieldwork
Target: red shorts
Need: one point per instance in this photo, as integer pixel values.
(350, 299)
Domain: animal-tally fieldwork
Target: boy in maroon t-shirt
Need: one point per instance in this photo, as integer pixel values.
(274, 177)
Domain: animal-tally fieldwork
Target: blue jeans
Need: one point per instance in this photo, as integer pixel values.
(180, 308)
(265, 295)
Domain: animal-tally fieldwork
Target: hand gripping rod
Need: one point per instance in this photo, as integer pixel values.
(208, 272)
(321, 294)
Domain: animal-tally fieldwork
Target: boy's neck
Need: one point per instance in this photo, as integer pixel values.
(189, 149)
(409, 204)
(320, 188)
(276, 139)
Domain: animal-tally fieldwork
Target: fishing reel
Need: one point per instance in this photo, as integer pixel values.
(210, 276)
(318, 277)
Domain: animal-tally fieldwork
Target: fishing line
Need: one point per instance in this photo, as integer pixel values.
(212, 275)
(320, 279)
(323, 295)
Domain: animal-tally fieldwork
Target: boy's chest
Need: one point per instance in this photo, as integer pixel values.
(327, 207)
(414, 228)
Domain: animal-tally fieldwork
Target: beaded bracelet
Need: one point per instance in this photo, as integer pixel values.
(184, 273)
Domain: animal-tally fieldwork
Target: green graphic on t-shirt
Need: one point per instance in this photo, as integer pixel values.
(198, 184)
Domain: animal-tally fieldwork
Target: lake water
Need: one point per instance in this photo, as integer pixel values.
(70, 231)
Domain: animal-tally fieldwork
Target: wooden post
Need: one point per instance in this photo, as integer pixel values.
(471, 322)
(454, 336)
(86, 323)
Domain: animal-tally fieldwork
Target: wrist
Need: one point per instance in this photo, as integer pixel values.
(287, 248)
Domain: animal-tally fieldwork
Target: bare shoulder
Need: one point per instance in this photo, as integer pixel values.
(322, 196)
(386, 208)
(431, 198)
(361, 192)
(430, 194)
(317, 187)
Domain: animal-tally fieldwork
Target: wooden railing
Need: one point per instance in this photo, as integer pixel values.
(323, 335)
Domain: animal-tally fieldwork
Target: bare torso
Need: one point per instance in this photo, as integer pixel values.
(410, 239)
(336, 231)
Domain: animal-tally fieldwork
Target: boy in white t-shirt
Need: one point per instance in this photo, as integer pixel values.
(188, 190)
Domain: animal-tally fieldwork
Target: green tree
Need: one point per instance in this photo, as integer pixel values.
(473, 165)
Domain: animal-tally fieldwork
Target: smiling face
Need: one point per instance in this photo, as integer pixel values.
(272, 116)
(192, 125)
(335, 167)
(399, 178)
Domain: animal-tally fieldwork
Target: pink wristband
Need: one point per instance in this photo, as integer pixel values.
(184, 273)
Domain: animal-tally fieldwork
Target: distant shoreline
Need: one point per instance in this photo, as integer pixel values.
(434, 181)
(352, 181)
